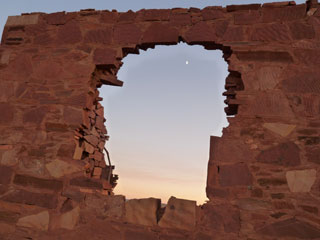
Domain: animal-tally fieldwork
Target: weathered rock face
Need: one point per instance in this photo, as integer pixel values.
(263, 180)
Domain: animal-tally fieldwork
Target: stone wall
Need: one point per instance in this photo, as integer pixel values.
(263, 173)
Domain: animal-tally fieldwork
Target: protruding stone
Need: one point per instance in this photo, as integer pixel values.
(301, 180)
(142, 211)
(38, 221)
(179, 213)
(78, 151)
(280, 128)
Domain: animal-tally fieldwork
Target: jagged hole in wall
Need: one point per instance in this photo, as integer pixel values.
(161, 120)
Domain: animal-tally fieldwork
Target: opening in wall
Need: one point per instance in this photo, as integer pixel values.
(161, 120)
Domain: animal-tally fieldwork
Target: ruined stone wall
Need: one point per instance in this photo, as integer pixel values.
(263, 173)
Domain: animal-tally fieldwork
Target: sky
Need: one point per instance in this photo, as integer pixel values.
(161, 120)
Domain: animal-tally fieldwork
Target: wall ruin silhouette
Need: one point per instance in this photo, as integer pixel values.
(263, 173)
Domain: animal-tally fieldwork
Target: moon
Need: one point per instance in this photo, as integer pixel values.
(187, 62)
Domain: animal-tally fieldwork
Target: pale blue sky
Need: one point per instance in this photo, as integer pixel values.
(161, 120)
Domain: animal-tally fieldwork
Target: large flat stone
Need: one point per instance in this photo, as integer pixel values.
(142, 211)
(301, 180)
(179, 213)
(44, 200)
(30, 181)
(22, 20)
(38, 221)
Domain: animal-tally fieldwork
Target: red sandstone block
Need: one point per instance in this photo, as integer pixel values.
(35, 116)
(234, 34)
(100, 112)
(100, 124)
(77, 100)
(5, 175)
(129, 16)
(69, 33)
(127, 34)
(136, 234)
(271, 182)
(264, 56)
(213, 192)
(212, 13)
(56, 127)
(274, 32)
(300, 30)
(93, 140)
(290, 228)
(72, 116)
(104, 56)
(180, 19)
(73, 194)
(160, 33)
(285, 154)
(302, 82)
(278, 4)
(66, 151)
(58, 18)
(313, 154)
(201, 32)
(6, 113)
(221, 218)
(100, 36)
(283, 14)
(155, 14)
(247, 18)
(44, 200)
(308, 56)
(232, 8)
(235, 175)
(108, 17)
(29, 181)
(86, 183)
(222, 150)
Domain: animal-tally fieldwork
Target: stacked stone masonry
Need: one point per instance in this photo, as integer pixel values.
(263, 174)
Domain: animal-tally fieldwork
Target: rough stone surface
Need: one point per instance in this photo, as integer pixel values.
(180, 214)
(301, 180)
(142, 211)
(262, 180)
